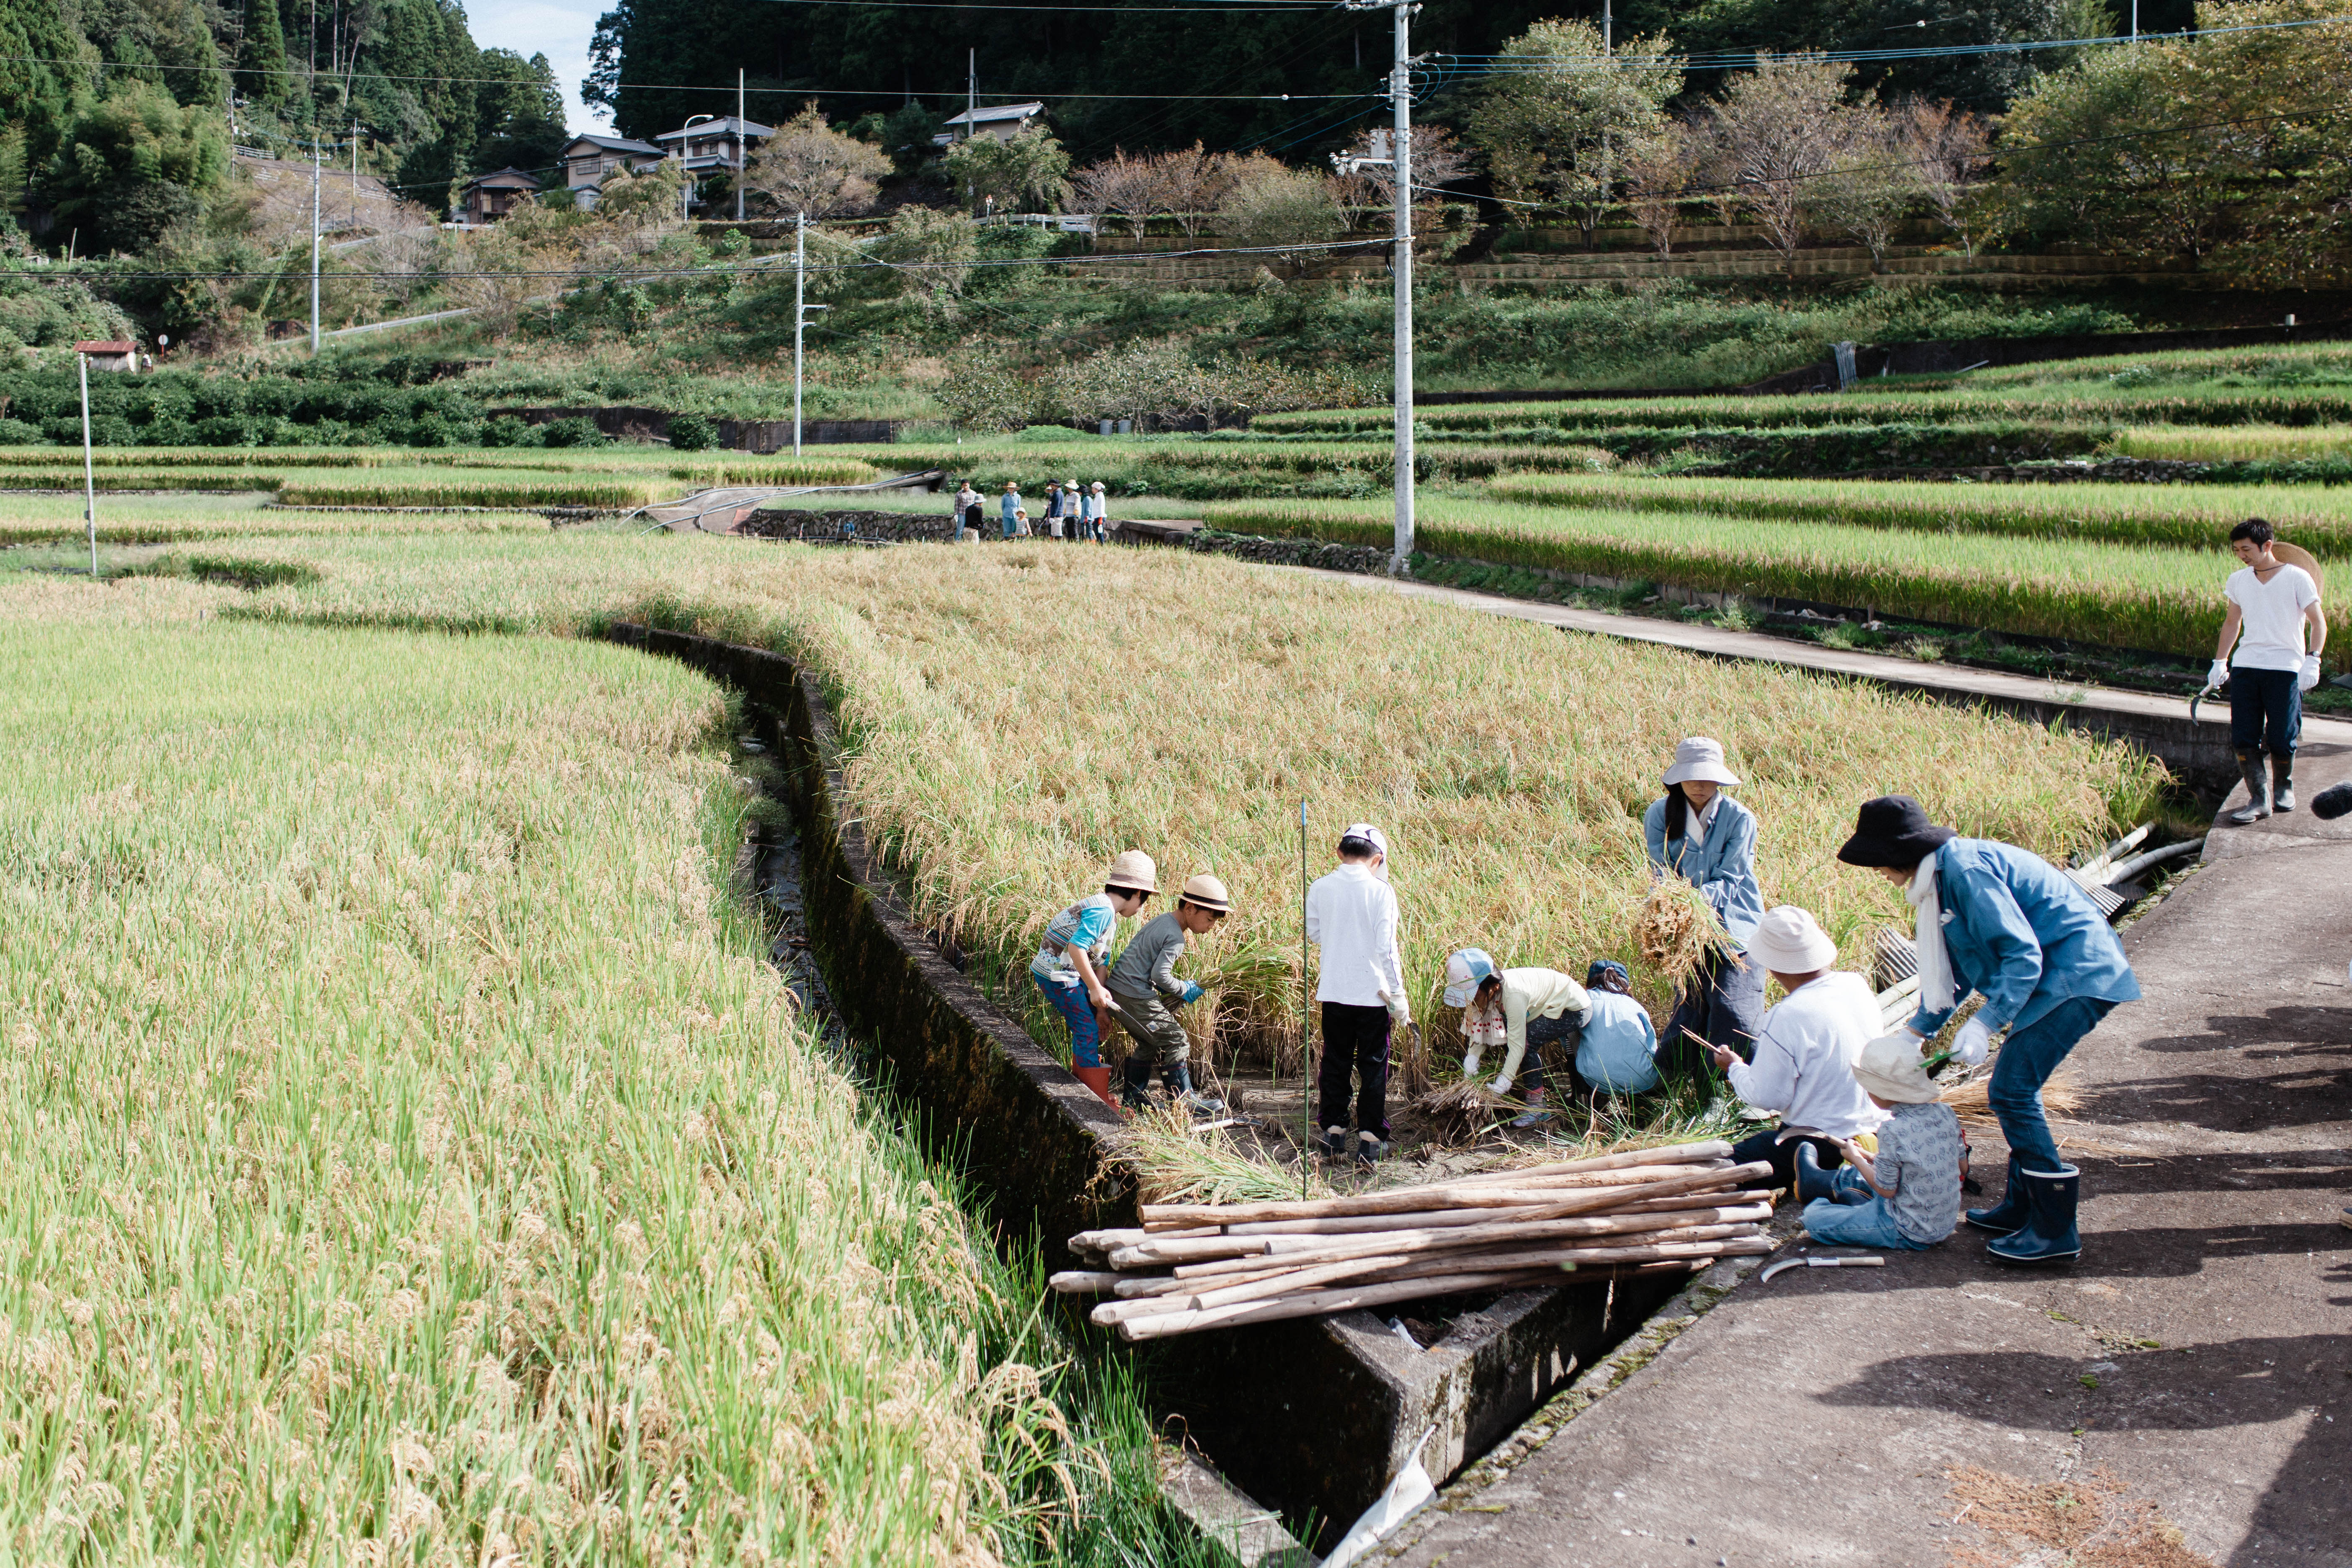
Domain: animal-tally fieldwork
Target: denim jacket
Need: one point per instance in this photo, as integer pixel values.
(2020, 931)
(1722, 868)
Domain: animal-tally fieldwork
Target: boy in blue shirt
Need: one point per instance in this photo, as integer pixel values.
(1073, 958)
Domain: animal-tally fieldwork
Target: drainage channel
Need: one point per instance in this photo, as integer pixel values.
(1311, 1417)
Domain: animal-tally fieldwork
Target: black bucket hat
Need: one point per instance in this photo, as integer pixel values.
(1893, 830)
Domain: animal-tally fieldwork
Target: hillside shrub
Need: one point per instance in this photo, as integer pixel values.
(692, 433)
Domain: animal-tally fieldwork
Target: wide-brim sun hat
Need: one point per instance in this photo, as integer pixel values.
(1788, 940)
(1893, 830)
(1465, 973)
(1890, 1068)
(1206, 892)
(1700, 757)
(1133, 870)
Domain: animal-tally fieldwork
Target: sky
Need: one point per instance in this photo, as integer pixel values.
(558, 28)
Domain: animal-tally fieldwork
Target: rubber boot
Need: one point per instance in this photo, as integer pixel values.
(1535, 1115)
(1177, 1079)
(2283, 781)
(1097, 1079)
(2049, 1236)
(1370, 1149)
(1334, 1142)
(1137, 1072)
(2010, 1214)
(1812, 1182)
(2258, 790)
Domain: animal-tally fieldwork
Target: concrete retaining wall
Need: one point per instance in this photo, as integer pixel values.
(1310, 1417)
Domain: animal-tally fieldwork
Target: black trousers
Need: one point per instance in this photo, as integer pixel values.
(1783, 1156)
(1355, 1047)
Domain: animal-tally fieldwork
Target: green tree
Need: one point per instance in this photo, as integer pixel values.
(518, 113)
(261, 73)
(1294, 212)
(1558, 110)
(136, 164)
(1029, 170)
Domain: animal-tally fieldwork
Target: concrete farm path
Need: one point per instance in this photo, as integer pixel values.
(2200, 1354)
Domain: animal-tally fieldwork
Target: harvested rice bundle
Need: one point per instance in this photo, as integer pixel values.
(1677, 930)
(2061, 1096)
(1454, 1114)
(1178, 1161)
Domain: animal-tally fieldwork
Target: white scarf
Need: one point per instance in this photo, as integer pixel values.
(1936, 985)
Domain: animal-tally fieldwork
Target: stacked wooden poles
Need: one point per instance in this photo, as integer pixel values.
(1203, 1265)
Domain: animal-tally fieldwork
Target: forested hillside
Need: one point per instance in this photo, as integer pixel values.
(1147, 74)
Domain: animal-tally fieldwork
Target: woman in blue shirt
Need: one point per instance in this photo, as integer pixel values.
(2007, 924)
(1699, 833)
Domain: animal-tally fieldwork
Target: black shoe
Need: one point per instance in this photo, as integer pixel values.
(1812, 1182)
(2008, 1215)
(1333, 1142)
(1371, 1151)
(1137, 1088)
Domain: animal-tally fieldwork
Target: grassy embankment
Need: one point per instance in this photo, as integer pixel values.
(1509, 763)
(412, 1158)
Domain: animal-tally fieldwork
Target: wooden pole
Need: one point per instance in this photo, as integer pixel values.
(1413, 1200)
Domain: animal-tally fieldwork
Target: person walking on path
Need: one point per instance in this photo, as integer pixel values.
(1805, 1050)
(1525, 1010)
(2005, 923)
(1906, 1195)
(2274, 604)
(1697, 832)
(1072, 957)
(965, 512)
(1009, 505)
(1351, 915)
(1144, 985)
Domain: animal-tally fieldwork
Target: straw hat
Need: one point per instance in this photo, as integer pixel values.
(1206, 892)
(1133, 870)
(1890, 1068)
(1788, 940)
(1700, 757)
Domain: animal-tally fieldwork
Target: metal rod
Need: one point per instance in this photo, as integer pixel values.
(1401, 90)
(88, 473)
(800, 318)
(742, 144)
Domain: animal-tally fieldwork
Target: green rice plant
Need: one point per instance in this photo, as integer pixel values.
(411, 1157)
(2158, 599)
(2189, 516)
(435, 487)
(170, 519)
(1509, 763)
(59, 477)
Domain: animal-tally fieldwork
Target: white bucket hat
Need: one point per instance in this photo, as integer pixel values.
(1890, 1068)
(1701, 757)
(1789, 941)
(1465, 973)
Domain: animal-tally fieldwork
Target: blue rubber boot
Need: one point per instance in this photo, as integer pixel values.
(2008, 1215)
(2049, 1236)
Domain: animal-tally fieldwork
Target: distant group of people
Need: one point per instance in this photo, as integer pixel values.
(1073, 511)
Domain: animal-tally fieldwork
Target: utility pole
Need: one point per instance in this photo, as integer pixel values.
(971, 90)
(356, 128)
(800, 317)
(88, 472)
(2134, 21)
(1608, 30)
(742, 145)
(1400, 160)
(315, 158)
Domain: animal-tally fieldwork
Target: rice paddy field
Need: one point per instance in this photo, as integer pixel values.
(410, 1157)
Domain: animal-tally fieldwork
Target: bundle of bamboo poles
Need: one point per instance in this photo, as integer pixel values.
(1214, 1266)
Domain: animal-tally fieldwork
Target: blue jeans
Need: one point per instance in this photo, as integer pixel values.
(2025, 1064)
(1071, 1003)
(1857, 1224)
(2261, 698)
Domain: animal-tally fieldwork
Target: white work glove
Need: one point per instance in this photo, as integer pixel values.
(1399, 1014)
(1971, 1044)
(2310, 675)
(2219, 674)
(1470, 1062)
(1502, 1084)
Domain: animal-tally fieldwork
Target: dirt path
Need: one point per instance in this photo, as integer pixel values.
(1945, 1410)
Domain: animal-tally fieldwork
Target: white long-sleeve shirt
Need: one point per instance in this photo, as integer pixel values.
(1805, 1058)
(1351, 915)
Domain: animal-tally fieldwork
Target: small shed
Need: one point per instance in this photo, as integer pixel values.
(110, 356)
(490, 197)
(1003, 122)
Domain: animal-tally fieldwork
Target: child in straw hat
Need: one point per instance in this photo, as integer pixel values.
(1144, 984)
(1073, 956)
(1907, 1197)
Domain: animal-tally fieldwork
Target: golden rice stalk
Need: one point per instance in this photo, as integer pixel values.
(1677, 930)
(1179, 1161)
(2061, 1096)
(1454, 1114)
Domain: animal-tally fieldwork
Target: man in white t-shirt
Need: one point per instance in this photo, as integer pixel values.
(2274, 604)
